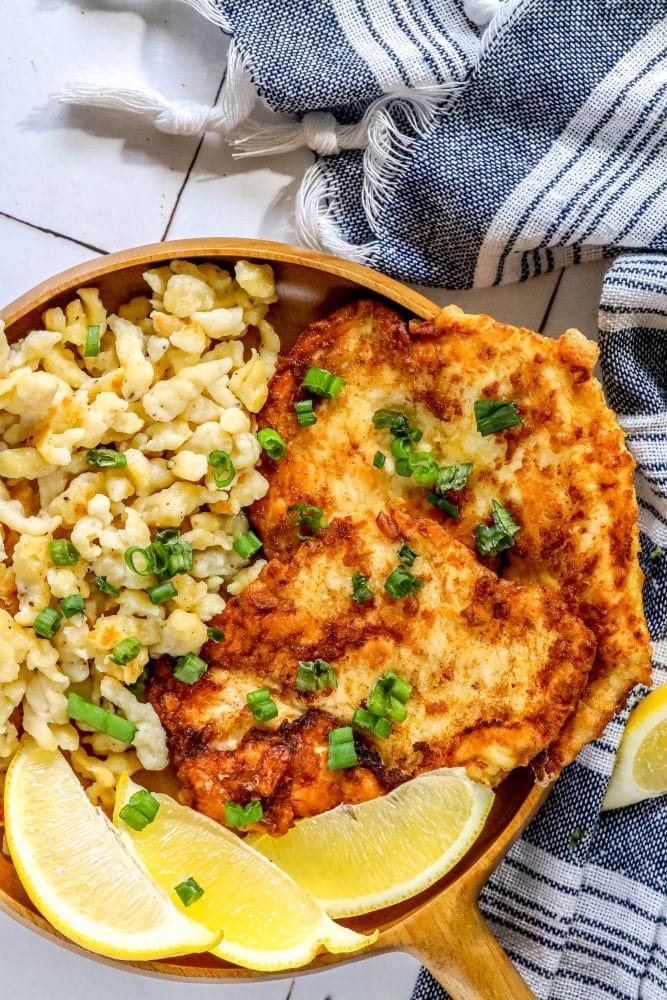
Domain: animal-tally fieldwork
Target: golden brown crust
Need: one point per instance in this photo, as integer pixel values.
(496, 668)
(286, 770)
(565, 475)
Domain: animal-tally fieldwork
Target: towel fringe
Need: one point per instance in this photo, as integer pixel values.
(480, 12)
(317, 218)
(387, 143)
(210, 10)
(237, 99)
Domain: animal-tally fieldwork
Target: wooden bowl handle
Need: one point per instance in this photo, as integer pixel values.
(457, 947)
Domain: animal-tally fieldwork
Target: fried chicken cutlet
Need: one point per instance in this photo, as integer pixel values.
(564, 474)
(495, 669)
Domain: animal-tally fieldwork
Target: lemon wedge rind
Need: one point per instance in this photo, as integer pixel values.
(355, 859)
(645, 734)
(76, 871)
(268, 922)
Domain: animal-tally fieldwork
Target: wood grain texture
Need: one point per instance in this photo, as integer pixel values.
(442, 926)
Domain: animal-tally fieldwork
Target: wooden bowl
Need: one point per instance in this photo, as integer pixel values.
(442, 926)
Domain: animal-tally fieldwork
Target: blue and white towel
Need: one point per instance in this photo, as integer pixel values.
(472, 142)
(451, 154)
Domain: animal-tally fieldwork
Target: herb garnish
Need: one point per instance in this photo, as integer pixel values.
(493, 415)
(491, 539)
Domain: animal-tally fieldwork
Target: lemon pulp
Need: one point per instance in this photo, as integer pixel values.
(75, 869)
(354, 859)
(268, 921)
(650, 766)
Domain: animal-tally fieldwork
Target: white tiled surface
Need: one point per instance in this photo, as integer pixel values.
(73, 183)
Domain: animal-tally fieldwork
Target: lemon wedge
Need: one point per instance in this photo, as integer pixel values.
(268, 922)
(360, 858)
(640, 770)
(78, 874)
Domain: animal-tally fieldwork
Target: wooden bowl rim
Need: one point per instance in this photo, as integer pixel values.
(397, 293)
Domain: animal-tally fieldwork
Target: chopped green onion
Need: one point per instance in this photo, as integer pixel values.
(237, 815)
(63, 553)
(656, 553)
(577, 834)
(493, 415)
(247, 544)
(396, 710)
(161, 592)
(133, 818)
(393, 420)
(47, 623)
(223, 467)
(164, 557)
(262, 705)
(491, 539)
(141, 809)
(377, 700)
(72, 605)
(414, 434)
(190, 668)
(189, 891)
(315, 675)
(99, 719)
(139, 686)
(401, 448)
(305, 415)
(374, 724)
(167, 536)
(389, 696)
(148, 568)
(442, 503)
(106, 458)
(379, 459)
(180, 557)
(215, 634)
(272, 443)
(306, 676)
(105, 587)
(402, 468)
(308, 520)
(453, 477)
(92, 348)
(322, 383)
(423, 467)
(407, 555)
(400, 583)
(361, 592)
(400, 688)
(126, 650)
(342, 752)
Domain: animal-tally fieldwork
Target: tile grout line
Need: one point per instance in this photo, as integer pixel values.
(190, 168)
(552, 299)
(53, 232)
(290, 990)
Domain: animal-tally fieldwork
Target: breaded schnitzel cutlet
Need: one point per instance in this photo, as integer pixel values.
(564, 474)
(495, 668)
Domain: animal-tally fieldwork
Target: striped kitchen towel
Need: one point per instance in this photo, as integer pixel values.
(460, 142)
(579, 904)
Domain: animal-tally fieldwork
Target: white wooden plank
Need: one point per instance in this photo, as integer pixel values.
(28, 256)
(577, 299)
(521, 303)
(106, 179)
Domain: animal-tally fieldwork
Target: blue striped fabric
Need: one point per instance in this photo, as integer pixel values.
(579, 903)
(548, 144)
